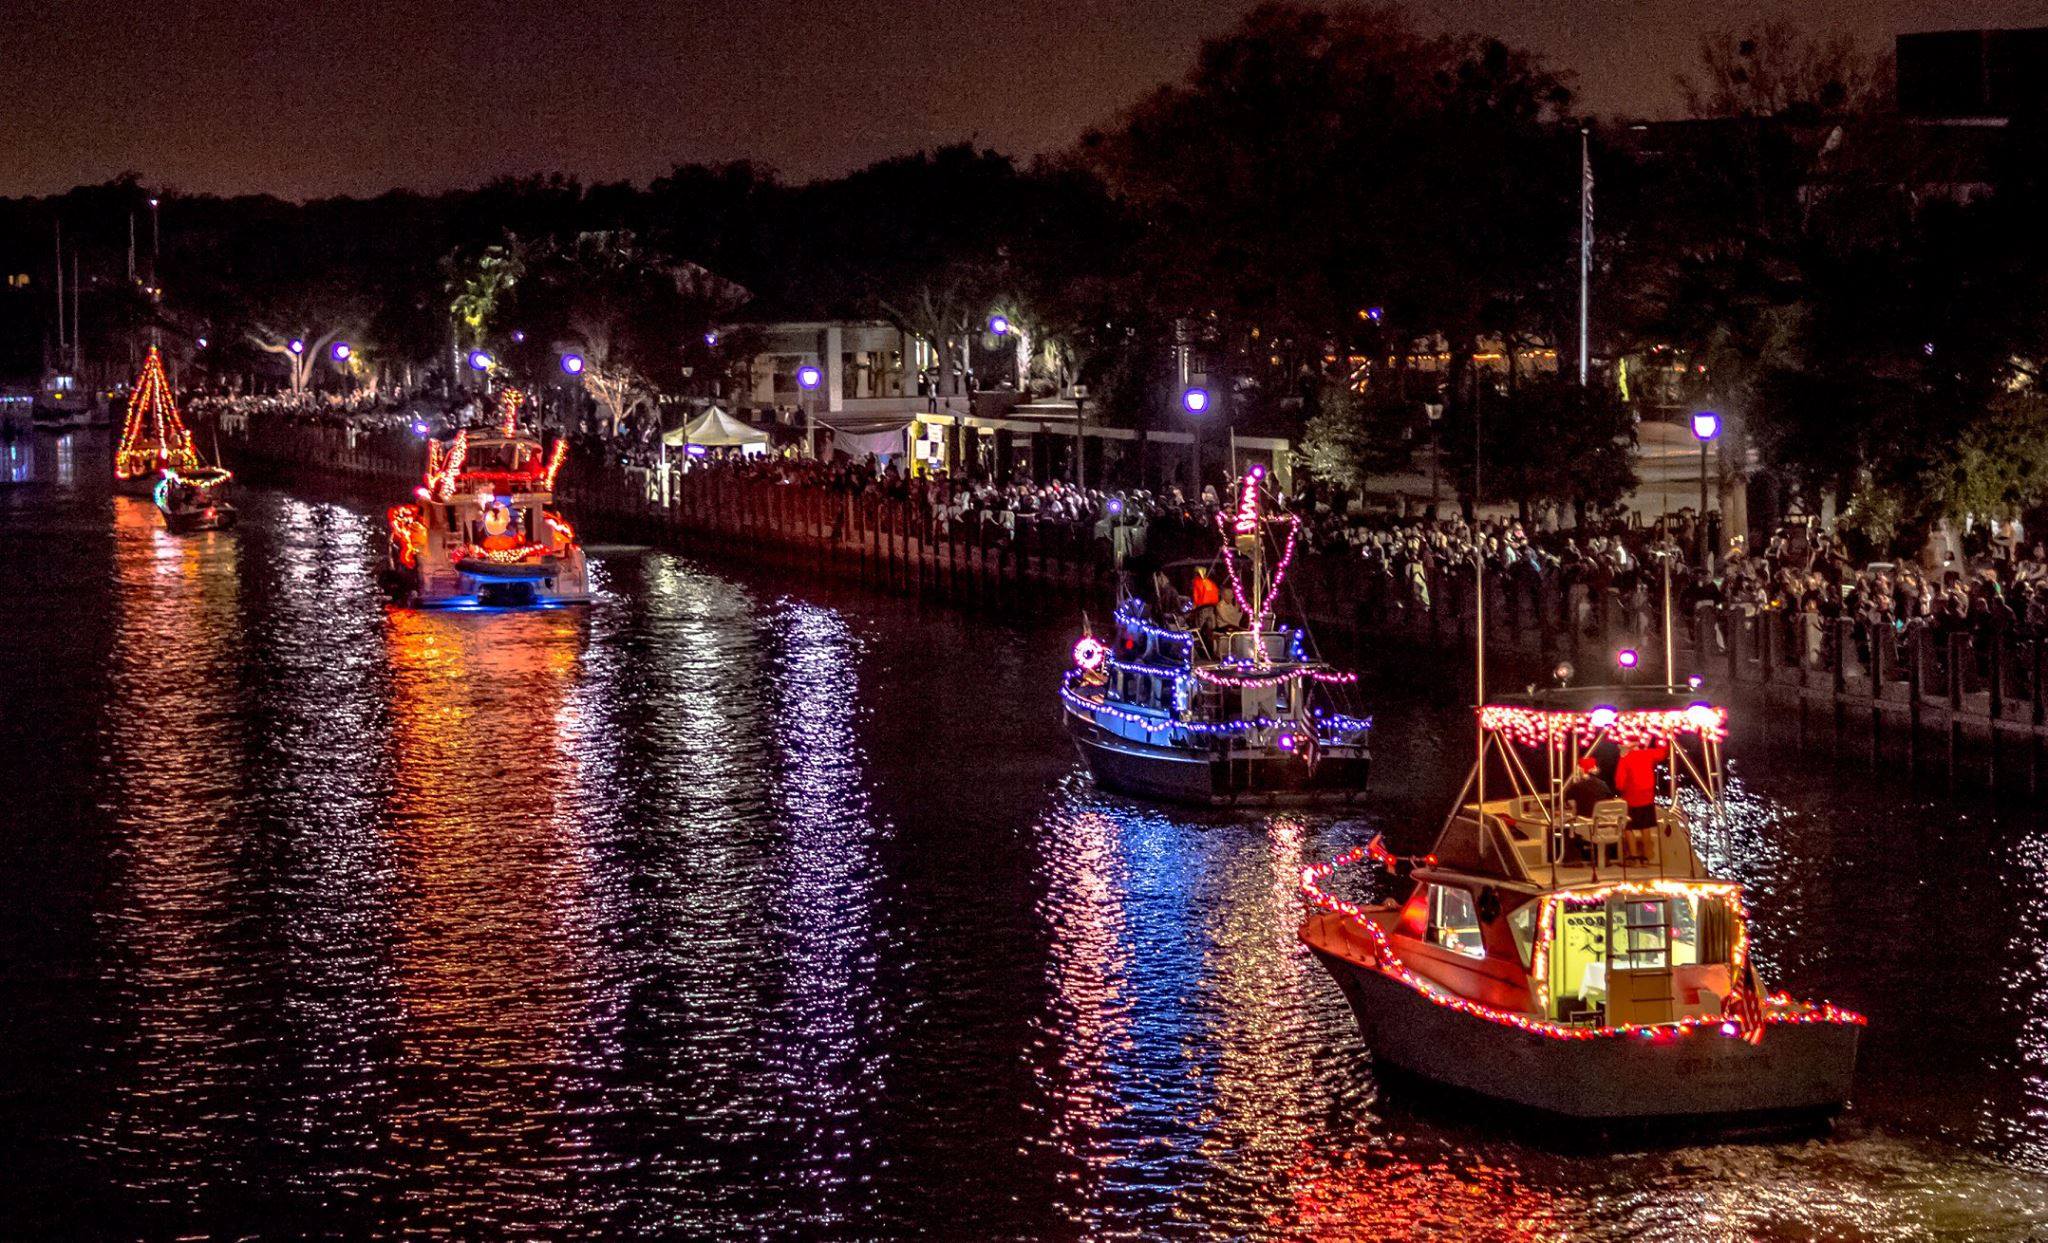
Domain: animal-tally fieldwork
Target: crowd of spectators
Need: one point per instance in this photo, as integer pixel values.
(1991, 585)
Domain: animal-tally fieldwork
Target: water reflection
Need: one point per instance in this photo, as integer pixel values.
(821, 898)
(176, 1039)
(728, 912)
(494, 950)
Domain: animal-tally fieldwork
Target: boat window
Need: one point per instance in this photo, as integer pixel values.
(1522, 922)
(1639, 933)
(1453, 923)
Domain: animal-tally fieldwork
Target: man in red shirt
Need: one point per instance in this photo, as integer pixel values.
(1635, 780)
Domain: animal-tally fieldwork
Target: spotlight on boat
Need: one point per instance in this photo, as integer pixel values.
(1563, 673)
(1693, 682)
(1602, 717)
(1626, 658)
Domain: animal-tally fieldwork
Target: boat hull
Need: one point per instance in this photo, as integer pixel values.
(191, 521)
(1799, 1072)
(1164, 773)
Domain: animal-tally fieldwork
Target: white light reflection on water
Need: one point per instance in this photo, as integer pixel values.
(175, 750)
(823, 900)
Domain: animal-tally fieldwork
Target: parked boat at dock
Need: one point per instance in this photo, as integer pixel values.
(1196, 699)
(1567, 951)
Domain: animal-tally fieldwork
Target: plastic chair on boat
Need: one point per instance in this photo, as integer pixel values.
(1603, 833)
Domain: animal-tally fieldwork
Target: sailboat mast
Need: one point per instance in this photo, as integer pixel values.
(63, 345)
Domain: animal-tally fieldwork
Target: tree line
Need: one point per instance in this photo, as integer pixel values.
(1364, 235)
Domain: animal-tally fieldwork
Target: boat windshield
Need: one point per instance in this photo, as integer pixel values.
(1642, 954)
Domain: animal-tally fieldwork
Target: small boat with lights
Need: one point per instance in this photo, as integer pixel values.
(481, 532)
(1563, 948)
(1197, 698)
(195, 500)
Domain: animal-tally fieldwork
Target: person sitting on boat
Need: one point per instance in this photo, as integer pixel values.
(1586, 789)
(1635, 779)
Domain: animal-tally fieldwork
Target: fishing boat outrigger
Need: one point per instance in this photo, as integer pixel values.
(482, 532)
(1207, 700)
(195, 500)
(1567, 951)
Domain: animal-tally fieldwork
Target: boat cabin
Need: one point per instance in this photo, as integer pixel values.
(1625, 953)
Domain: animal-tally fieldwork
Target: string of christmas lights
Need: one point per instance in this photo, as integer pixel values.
(1533, 727)
(1344, 726)
(1776, 1008)
(154, 437)
(1213, 678)
(509, 402)
(405, 533)
(497, 556)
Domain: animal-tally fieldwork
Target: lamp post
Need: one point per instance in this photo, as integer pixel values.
(481, 362)
(807, 379)
(1196, 402)
(1706, 425)
(341, 351)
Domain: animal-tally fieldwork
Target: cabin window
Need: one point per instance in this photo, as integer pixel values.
(1454, 923)
(1522, 922)
(1639, 934)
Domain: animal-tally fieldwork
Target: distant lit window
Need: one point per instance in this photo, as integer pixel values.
(17, 280)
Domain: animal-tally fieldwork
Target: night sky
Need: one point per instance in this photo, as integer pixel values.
(311, 98)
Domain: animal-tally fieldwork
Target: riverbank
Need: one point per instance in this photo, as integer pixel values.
(1912, 698)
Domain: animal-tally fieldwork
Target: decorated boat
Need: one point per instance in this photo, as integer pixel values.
(482, 532)
(1195, 698)
(195, 500)
(154, 438)
(1563, 948)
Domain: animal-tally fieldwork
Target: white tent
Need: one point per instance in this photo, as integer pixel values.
(715, 429)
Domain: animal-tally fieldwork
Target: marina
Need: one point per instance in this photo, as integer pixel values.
(754, 890)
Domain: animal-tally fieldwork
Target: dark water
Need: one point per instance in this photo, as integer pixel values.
(742, 907)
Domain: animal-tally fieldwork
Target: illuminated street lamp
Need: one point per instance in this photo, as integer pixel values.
(572, 364)
(999, 325)
(296, 345)
(711, 339)
(481, 360)
(1706, 425)
(341, 351)
(807, 379)
(1195, 400)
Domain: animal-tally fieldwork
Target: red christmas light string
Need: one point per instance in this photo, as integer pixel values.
(497, 556)
(165, 444)
(1776, 1008)
(1532, 727)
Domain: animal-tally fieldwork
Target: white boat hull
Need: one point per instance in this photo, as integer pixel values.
(1798, 1070)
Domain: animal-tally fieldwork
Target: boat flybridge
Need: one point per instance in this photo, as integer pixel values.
(1206, 698)
(482, 533)
(1564, 948)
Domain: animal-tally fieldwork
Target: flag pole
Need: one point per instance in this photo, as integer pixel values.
(1585, 243)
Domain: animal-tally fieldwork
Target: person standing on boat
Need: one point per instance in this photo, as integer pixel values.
(1635, 779)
